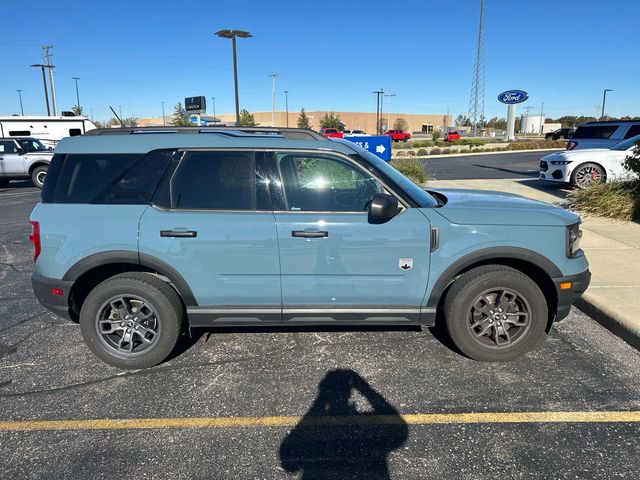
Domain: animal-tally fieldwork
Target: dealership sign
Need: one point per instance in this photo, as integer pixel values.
(511, 97)
(195, 104)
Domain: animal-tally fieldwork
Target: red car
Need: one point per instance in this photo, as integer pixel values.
(451, 136)
(397, 135)
(331, 133)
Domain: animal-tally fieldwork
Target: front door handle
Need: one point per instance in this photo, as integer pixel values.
(309, 234)
(179, 233)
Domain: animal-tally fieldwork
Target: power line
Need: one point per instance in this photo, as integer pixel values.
(476, 102)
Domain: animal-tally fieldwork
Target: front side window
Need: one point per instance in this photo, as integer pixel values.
(633, 131)
(221, 180)
(323, 183)
(32, 145)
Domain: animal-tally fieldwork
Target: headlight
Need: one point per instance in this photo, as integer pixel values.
(574, 239)
(560, 162)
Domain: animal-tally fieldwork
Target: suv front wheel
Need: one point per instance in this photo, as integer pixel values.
(132, 320)
(495, 313)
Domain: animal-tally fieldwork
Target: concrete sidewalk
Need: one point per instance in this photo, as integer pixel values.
(612, 248)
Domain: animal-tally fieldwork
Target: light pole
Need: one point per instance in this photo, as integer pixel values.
(232, 34)
(20, 97)
(77, 95)
(164, 123)
(273, 99)
(389, 95)
(44, 82)
(604, 100)
(378, 93)
(286, 106)
(213, 99)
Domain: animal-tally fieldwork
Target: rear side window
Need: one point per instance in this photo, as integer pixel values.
(8, 146)
(215, 181)
(633, 131)
(19, 133)
(595, 131)
(104, 179)
(74, 132)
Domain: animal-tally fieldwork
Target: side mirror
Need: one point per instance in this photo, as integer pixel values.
(383, 208)
(20, 151)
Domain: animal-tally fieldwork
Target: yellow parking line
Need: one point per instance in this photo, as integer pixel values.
(287, 421)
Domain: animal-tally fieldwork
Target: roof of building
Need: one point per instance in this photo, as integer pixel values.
(142, 140)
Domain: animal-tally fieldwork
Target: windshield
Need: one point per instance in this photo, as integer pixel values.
(31, 145)
(420, 196)
(627, 144)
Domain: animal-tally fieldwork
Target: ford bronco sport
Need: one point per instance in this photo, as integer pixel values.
(142, 233)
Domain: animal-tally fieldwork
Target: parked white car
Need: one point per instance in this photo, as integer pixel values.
(354, 133)
(581, 167)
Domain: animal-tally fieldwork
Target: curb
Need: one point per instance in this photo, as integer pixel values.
(481, 153)
(608, 321)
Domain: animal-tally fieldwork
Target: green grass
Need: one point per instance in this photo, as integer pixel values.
(619, 200)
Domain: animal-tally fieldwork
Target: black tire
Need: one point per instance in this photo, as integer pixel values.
(168, 318)
(461, 314)
(4, 182)
(405, 139)
(588, 173)
(38, 175)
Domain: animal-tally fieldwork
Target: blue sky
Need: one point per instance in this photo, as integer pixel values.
(329, 55)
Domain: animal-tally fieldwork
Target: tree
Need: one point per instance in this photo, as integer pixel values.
(180, 117)
(435, 136)
(247, 119)
(462, 121)
(497, 123)
(400, 124)
(331, 120)
(77, 110)
(632, 162)
(303, 120)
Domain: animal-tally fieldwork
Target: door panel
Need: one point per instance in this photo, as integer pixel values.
(11, 163)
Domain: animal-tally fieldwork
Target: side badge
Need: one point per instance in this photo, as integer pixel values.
(405, 263)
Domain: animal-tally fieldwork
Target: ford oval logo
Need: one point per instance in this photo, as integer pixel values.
(513, 96)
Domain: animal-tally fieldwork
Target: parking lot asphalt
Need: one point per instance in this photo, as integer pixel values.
(305, 403)
(486, 166)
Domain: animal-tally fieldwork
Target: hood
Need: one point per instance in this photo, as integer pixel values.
(576, 154)
(479, 207)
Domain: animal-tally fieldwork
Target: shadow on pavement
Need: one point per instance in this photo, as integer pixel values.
(341, 438)
(17, 184)
(559, 190)
(523, 173)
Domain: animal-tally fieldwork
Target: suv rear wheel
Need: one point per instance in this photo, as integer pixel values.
(132, 320)
(38, 175)
(495, 313)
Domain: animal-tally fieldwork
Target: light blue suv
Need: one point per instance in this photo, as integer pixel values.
(142, 233)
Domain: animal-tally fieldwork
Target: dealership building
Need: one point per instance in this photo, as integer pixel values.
(366, 121)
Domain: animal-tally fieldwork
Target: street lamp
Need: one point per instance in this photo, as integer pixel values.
(604, 100)
(44, 82)
(20, 96)
(378, 93)
(77, 95)
(213, 100)
(164, 123)
(286, 106)
(232, 34)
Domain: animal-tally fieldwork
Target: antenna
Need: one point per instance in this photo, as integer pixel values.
(476, 102)
(119, 119)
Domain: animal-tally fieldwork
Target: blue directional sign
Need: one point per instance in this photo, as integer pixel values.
(378, 145)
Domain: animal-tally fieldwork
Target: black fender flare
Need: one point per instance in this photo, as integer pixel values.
(142, 259)
(486, 255)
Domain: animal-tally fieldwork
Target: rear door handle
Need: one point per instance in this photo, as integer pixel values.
(179, 233)
(309, 234)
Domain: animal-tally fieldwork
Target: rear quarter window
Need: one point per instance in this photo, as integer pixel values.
(595, 131)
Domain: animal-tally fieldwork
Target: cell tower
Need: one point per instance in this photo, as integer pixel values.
(476, 102)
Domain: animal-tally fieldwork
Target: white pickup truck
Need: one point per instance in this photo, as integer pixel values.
(23, 158)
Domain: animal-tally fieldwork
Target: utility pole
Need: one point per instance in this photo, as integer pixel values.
(47, 59)
(378, 93)
(286, 106)
(476, 102)
(164, 122)
(20, 96)
(541, 114)
(77, 94)
(44, 83)
(120, 110)
(389, 95)
(232, 34)
(604, 100)
(91, 110)
(273, 99)
(214, 109)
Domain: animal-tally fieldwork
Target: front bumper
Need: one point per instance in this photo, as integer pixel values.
(566, 296)
(58, 304)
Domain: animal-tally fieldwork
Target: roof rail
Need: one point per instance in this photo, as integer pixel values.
(288, 133)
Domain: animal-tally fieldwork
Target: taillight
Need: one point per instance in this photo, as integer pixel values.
(35, 238)
(571, 145)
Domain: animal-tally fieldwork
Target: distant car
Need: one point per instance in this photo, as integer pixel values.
(331, 133)
(355, 133)
(561, 133)
(582, 167)
(398, 135)
(23, 158)
(451, 136)
(603, 134)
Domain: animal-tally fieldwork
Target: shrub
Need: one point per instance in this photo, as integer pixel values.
(401, 154)
(422, 143)
(454, 150)
(468, 141)
(411, 168)
(436, 135)
(619, 200)
(441, 144)
(422, 152)
(411, 153)
(435, 151)
(537, 144)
